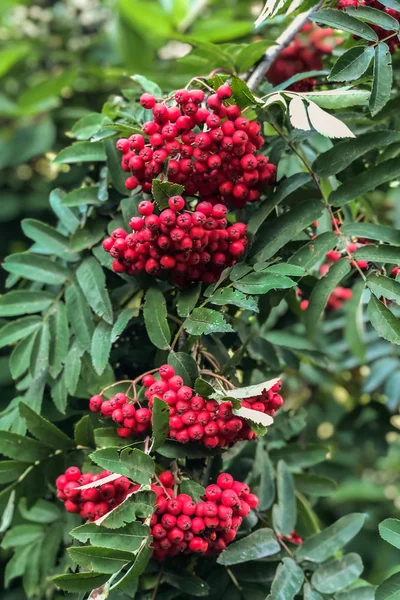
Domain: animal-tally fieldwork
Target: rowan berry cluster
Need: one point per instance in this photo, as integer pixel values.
(293, 538)
(336, 299)
(190, 245)
(95, 502)
(131, 420)
(392, 42)
(303, 54)
(206, 527)
(209, 150)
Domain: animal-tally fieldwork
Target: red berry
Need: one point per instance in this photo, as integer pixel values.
(72, 474)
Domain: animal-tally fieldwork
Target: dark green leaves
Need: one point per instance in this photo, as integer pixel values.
(44, 431)
(128, 538)
(224, 296)
(22, 302)
(46, 237)
(187, 299)
(80, 582)
(91, 279)
(261, 283)
(337, 574)
(132, 463)
(82, 152)
(205, 321)
(383, 77)
(389, 589)
(22, 448)
(163, 190)
(257, 545)
(155, 318)
(374, 16)
(322, 291)
(378, 254)
(384, 321)
(288, 580)
(323, 545)
(160, 422)
(284, 513)
(17, 330)
(79, 315)
(185, 366)
(341, 20)
(36, 268)
(389, 531)
(97, 558)
(366, 181)
(384, 286)
(352, 64)
(101, 346)
(372, 231)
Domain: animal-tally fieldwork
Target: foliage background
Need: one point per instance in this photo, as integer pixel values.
(62, 60)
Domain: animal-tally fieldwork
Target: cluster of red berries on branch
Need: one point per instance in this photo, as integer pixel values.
(190, 245)
(293, 538)
(392, 42)
(339, 296)
(179, 524)
(206, 527)
(204, 144)
(94, 502)
(303, 54)
(192, 418)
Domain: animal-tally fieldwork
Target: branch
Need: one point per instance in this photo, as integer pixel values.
(283, 40)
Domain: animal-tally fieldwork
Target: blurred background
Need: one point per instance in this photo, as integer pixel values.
(62, 60)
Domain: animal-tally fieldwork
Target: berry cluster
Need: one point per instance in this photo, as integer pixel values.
(303, 54)
(190, 245)
(335, 301)
(206, 527)
(91, 503)
(210, 151)
(392, 42)
(293, 538)
(192, 418)
(131, 420)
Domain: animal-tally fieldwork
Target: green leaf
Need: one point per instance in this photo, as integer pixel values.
(321, 292)
(284, 189)
(10, 470)
(204, 321)
(42, 511)
(92, 282)
(310, 594)
(354, 325)
(87, 236)
(224, 296)
(384, 321)
(21, 356)
(389, 589)
(383, 77)
(325, 544)
(187, 583)
(134, 464)
(148, 86)
(242, 94)
(22, 302)
(128, 538)
(389, 530)
(22, 448)
(281, 269)
(80, 582)
(73, 365)
(82, 196)
(314, 485)
(378, 254)
(374, 16)
(79, 316)
(185, 366)
(192, 488)
(203, 388)
(272, 236)
(337, 574)
(296, 457)
(46, 236)
(187, 299)
(352, 64)
(87, 126)
(160, 422)
(257, 545)
(21, 535)
(81, 152)
(339, 98)
(40, 352)
(43, 430)
(67, 216)
(262, 283)
(341, 20)
(163, 190)
(59, 333)
(36, 268)
(17, 330)
(83, 432)
(314, 251)
(288, 580)
(284, 513)
(250, 54)
(344, 153)
(384, 286)
(141, 561)
(363, 592)
(155, 318)
(103, 560)
(121, 323)
(176, 450)
(101, 347)
(139, 505)
(372, 231)
(117, 175)
(263, 469)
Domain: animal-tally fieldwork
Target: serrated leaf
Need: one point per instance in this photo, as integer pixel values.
(384, 321)
(79, 315)
(326, 124)
(389, 530)
(141, 561)
(103, 560)
(185, 366)
(92, 282)
(203, 388)
(225, 295)
(384, 286)
(36, 268)
(134, 464)
(284, 512)
(43, 430)
(73, 365)
(204, 321)
(250, 54)
(187, 299)
(298, 114)
(22, 448)
(341, 20)
(242, 94)
(80, 582)
(21, 355)
(67, 216)
(46, 236)
(121, 323)
(192, 488)
(117, 175)
(288, 580)
(325, 544)
(86, 237)
(59, 338)
(321, 292)
(257, 545)
(163, 190)
(374, 16)
(155, 318)
(128, 538)
(22, 302)
(187, 583)
(82, 196)
(372, 231)
(378, 254)
(139, 505)
(383, 77)
(272, 236)
(40, 352)
(338, 574)
(262, 283)
(314, 485)
(352, 64)
(101, 346)
(81, 152)
(10, 470)
(339, 98)
(160, 422)
(354, 325)
(83, 432)
(17, 330)
(389, 589)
